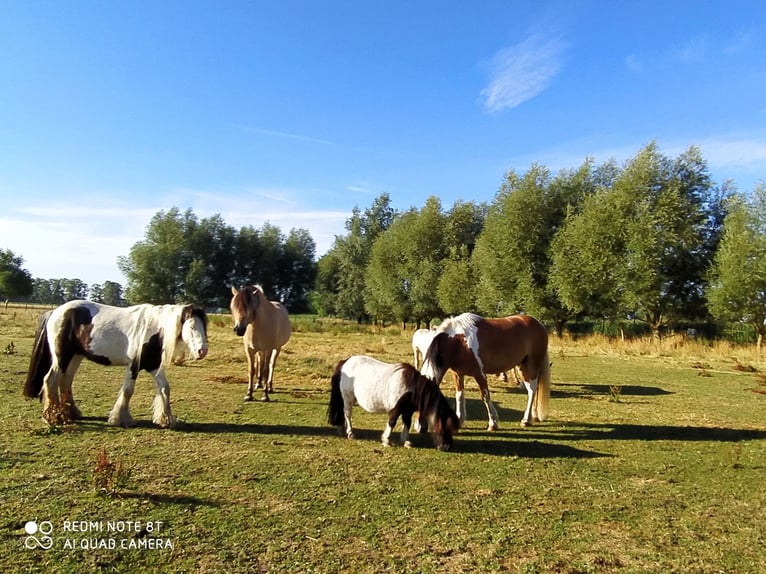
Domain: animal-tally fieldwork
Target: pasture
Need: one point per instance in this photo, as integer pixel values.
(653, 460)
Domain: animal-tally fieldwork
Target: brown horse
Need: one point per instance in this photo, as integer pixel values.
(265, 328)
(474, 346)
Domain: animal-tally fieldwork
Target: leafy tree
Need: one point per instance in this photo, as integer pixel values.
(513, 254)
(737, 288)
(640, 246)
(111, 294)
(351, 255)
(15, 281)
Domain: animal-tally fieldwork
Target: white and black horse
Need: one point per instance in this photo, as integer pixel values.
(396, 389)
(141, 338)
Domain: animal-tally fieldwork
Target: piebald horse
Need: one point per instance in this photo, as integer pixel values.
(396, 389)
(142, 337)
(471, 345)
(265, 328)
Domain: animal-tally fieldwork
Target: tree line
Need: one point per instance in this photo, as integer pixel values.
(653, 240)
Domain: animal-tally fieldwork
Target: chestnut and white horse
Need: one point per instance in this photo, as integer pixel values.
(471, 345)
(265, 328)
(421, 339)
(141, 338)
(396, 389)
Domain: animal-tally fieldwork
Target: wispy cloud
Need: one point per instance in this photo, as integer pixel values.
(521, 72)
(286, 135)
(692, 52)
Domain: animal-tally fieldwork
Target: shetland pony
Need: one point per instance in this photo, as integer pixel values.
(265, 328)
(397, 389)
(471, 345)
(421, 339)
(142, 337)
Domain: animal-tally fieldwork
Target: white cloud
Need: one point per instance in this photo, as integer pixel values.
(523, 71)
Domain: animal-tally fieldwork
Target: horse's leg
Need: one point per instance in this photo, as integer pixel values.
(348, 403)
(460, 398)
(161, 406)
(264, 373)
(51, 403)
(530, 414)
(69, 409)
(406, 422)
(120, 414)
(491, 411)
(251, 364)
(267, 365)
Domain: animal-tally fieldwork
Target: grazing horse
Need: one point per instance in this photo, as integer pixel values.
(142, 337)
(397, 389)
(421, 339)
(265, 328)
(474, 346)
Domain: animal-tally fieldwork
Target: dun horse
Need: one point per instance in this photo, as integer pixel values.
(142, 337)
(474, 346)
(265, 328)
(397, 389)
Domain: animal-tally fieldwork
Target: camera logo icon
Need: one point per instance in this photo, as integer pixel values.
(38, 535)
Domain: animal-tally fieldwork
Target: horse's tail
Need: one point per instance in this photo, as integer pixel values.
(543, 396)
(335, 410)
(40, 361)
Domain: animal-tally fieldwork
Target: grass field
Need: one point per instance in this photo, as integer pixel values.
(653, 461)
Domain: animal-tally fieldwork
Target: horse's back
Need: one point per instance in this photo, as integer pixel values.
(511, 339)
(377, 386)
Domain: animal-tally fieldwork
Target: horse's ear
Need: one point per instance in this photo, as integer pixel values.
(234, 290)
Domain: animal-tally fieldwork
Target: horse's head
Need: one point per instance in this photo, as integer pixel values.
(194, 331)
(244, 307)
(445, 423)
(435, 410)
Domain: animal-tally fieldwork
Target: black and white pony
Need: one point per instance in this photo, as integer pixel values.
(141, 338)
(396, 389)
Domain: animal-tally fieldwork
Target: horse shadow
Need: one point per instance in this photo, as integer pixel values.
(569, 391)
(610, 431)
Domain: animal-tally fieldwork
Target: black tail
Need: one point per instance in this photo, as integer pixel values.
(335, 409)
(40, 361)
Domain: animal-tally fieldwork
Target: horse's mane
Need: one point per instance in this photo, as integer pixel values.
(171, 322)
(460, 324)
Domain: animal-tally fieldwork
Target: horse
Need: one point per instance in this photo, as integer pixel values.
(265, 328)
(398, 389)
(143, 337)
(474, 346)
(421, 339)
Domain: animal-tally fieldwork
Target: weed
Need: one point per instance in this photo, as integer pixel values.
(110, 476)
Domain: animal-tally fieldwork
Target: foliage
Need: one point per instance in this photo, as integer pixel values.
(737, 290)
(183, 258)
(15, 281)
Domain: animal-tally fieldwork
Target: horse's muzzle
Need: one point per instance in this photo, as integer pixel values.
(202, 353)
(240, 329)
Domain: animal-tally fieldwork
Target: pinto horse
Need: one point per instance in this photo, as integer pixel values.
(265, 328)
(471, 345)
(142, 337)
(397, 389)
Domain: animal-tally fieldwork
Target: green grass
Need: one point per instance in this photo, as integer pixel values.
(669, 478)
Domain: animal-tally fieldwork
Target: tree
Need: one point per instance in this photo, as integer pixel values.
(737, 287)
(513, 254)
(15, 281)
(344, 293)
(640, 246)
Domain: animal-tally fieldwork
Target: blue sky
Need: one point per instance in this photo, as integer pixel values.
(294, 112)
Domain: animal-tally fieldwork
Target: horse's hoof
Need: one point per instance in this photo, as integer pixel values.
(386, 443)
(350, 435)
(248, 398)
(492, 427)
(525, 424)
(407, 444)
(265, 399)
